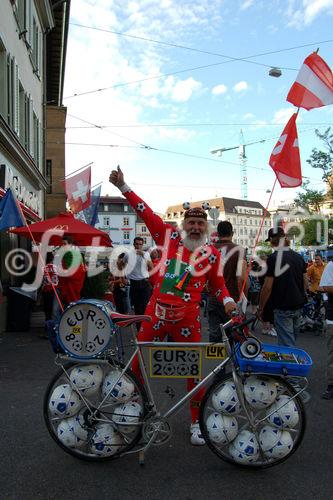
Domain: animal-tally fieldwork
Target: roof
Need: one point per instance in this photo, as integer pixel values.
(56, 47)
(223, 203)
(113, 199)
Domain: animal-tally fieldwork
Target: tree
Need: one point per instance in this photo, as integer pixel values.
(311, 199)
(324, 159)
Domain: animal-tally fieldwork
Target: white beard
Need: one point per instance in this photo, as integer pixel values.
(192, 245)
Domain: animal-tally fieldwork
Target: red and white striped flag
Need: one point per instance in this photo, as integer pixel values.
(77, 189)
(313, 87)
(285, 159)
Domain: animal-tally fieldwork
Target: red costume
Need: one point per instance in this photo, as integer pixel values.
(179, 281)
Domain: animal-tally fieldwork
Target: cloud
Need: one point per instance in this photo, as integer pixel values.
(282, 115)
(248, 116)
(240, 86)
(183, 90)
(219, 89)
(246, 4)
(304, 14)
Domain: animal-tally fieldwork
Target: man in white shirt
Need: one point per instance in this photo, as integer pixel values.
(326, 285)
(140, 288)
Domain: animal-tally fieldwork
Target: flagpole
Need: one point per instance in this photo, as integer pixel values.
(248, 269)
(75, 171)
(40, 254)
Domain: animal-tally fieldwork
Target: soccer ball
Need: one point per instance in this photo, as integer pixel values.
(106, 441)
(221, 428)
(259, 392)
(244, 449)
(275, 443)
(79, 426)
(87, 378)
(66, 433)
(205, 205)
(122, 390)
(64, 401)
(186, 205)
(225, 399)
(127, 413)
(285, 413)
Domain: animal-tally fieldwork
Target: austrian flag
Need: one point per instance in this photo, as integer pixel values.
(77, 189)
(313, 87)
(285, 159)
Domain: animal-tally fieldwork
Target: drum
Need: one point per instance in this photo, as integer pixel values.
(85, 328)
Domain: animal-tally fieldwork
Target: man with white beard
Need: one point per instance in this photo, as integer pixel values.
(186, 266)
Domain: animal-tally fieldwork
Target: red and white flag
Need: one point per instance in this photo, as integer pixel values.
(77, 190)
(285, 159)
(313, 87)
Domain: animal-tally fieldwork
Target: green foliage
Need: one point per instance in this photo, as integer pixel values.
(323, 160)
(310, 232)
(311, 199)
(95, 287)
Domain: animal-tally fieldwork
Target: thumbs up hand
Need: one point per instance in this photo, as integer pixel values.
(117, 177)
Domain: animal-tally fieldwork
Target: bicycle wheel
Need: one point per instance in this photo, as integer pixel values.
(95, 412)
(252, 421)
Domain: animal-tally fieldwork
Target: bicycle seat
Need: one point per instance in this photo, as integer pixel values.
(128, 319)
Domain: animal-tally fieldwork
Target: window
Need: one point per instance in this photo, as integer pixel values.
(250, 222)
(143, 229)
(106, 207)
(126, 235)
(3, 79)
(35, 45)
(106, 221)
(125, 208)
(245, 231)
(126, 221)
(48, 175)
(36, 128)
(245, 222)
(144, 241)
(241, 231)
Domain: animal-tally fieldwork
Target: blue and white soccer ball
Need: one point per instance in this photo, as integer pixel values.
(275, 443)
(127, 414)
(106, 441)
(221, 428)
(225, 399)
(87, 378)
(260, 392)
(117, 391)
(64, 401)
(245, 448)
(66, 434)
(285, 414)
(79, 426)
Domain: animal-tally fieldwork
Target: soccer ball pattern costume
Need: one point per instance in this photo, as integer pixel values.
(64, 401)
(87, 378)
(259, 392)
(187, 329)
(275, 443)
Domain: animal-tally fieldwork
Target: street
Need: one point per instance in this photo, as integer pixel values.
(33, 466)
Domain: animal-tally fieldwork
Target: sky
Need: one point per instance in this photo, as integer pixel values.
(155, 85)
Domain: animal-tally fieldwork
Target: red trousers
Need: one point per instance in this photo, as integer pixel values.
(185, 330)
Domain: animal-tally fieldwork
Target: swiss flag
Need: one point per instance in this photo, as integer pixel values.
(285, 159)
(313, 87)
(77, 189)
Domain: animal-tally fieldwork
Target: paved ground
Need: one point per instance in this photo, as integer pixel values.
(32, 466)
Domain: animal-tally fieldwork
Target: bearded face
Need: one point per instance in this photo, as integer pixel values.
(195, 232)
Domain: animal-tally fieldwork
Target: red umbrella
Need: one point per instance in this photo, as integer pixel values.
(82, 233)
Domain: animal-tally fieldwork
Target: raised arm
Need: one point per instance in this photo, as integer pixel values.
(154, 223)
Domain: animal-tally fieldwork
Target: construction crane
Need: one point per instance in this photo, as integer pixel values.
(242, 160)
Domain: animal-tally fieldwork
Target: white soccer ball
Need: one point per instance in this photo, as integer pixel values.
(123, 388)
(275, 443)
(285, 414)
(260, 392)
(106, 441)
(65, 432)
(205, 205)
(225, 399)
(64, 401)
(245, 448)
(79, 425)
(186, 205)
(87, 378)
(127, 413)
(221, 428)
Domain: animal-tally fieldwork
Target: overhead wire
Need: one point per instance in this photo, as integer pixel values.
(240, 124)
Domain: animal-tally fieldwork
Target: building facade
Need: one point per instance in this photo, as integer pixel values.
(244, 215)
(118, 219)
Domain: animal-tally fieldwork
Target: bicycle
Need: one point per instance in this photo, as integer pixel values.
(96, 409)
